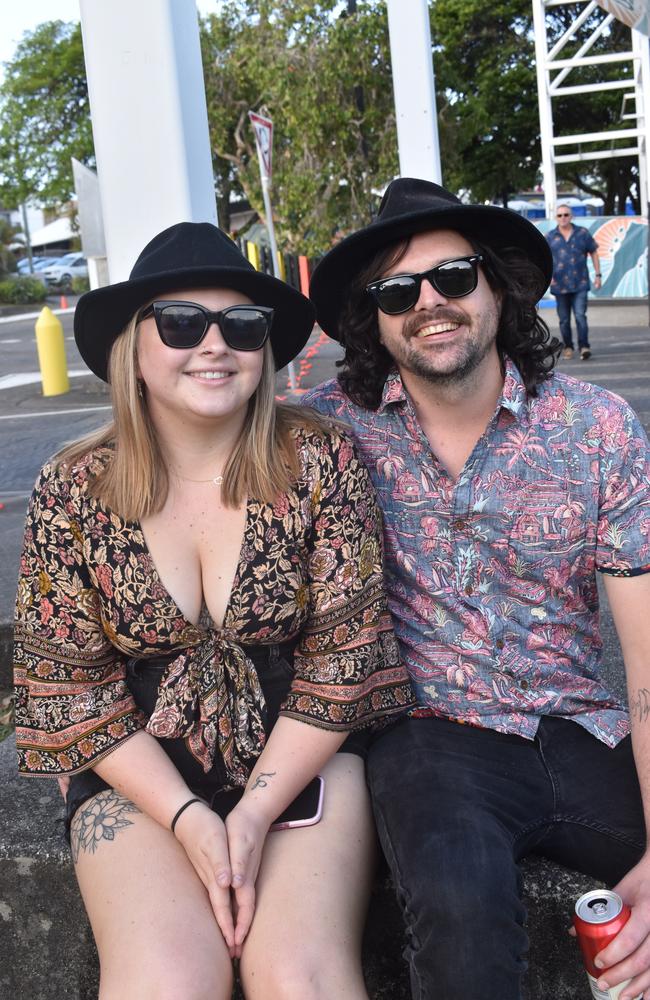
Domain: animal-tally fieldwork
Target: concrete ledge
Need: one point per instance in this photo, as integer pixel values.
(47, 950)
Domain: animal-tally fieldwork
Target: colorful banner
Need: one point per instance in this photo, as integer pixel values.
(634, 13)
(623, 253)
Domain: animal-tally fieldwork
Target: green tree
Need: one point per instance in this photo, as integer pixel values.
(8, 234)
(44, 116)
(487, 95)
(487, 100)
(307, 67)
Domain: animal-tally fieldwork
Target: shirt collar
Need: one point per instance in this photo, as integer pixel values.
(513, 398)
(393, 391)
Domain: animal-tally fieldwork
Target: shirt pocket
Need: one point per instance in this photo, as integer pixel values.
(547, 529)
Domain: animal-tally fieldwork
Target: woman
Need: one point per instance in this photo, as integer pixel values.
(200, 614)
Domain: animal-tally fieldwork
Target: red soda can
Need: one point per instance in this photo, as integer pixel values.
(599, 916)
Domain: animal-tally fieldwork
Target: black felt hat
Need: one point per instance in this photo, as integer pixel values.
(189, 255)
(411, 206)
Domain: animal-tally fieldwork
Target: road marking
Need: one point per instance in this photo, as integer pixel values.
(13, 340)
(17, 317)
(53, 413)
(27, 378)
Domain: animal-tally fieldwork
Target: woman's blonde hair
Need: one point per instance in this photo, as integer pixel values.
(134, 482)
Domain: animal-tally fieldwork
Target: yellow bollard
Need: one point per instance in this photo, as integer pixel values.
(253, 254)
(281, 268)
(51, 354)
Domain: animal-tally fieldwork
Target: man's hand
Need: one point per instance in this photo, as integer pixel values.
(597, 283)
(247, 830)
(203, 835)
(628, 955)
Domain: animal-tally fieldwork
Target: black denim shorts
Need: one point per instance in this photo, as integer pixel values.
(274, 665)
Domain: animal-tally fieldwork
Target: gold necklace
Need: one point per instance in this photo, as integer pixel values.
(217, 480)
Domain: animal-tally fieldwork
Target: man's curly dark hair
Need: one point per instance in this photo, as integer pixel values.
(523, 335)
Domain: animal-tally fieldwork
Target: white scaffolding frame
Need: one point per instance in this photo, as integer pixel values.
(552, 72)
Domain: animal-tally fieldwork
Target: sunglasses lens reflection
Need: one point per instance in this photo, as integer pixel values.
(456, 278)
(398, 294)
(244, 329)
(181, 326)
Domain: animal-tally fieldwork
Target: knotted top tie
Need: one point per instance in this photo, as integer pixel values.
(210, 695)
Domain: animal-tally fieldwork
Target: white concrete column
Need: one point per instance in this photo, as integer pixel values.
(545, 109)
(413, 86)
(640, 47)
(149, 118)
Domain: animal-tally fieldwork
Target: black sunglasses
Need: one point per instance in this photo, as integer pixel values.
(185, 324)
(453, 279)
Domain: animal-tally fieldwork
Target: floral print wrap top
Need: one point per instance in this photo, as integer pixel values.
(89, 599)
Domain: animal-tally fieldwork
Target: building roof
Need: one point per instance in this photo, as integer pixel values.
(54, 232)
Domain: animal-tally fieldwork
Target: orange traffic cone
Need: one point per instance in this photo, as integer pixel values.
(64, 302)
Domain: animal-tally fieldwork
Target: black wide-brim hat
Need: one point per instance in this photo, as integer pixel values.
(189, 255)
(411, 206)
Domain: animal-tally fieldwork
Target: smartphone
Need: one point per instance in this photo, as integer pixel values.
(306, 809)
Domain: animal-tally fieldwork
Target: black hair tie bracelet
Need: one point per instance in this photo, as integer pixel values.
(181, 811)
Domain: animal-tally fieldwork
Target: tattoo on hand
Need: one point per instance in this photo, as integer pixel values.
(260, 781)
(100, 818)
(640, 704)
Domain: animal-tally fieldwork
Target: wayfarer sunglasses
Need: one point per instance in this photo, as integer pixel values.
(453, 279)
(185, 324)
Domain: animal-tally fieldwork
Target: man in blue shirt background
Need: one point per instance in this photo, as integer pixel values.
(570, 245)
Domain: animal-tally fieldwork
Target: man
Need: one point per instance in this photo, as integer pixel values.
(504, 488)
(570, 245)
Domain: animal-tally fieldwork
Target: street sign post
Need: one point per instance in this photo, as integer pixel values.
(263, 128)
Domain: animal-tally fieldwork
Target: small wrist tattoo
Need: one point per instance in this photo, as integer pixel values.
(260, 781)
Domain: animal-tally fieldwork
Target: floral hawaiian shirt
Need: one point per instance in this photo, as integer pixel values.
(570, 272)
(89, 598)
(491, 578)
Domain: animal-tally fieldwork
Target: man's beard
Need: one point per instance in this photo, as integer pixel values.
(474, 349)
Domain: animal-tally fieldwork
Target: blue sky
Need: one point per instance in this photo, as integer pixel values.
(20, 16)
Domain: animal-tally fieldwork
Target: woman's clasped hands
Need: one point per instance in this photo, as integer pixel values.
(226, 857)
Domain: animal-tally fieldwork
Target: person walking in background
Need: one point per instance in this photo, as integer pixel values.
(506, 489)
(570, 245)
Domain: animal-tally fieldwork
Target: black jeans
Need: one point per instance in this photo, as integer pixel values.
(457, 807)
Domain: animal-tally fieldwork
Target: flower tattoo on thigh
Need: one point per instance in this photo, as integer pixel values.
(99, 819)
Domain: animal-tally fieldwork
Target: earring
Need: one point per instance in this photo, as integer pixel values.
(140, 392)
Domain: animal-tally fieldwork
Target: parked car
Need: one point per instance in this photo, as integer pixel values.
(39, 263)
(72, 265)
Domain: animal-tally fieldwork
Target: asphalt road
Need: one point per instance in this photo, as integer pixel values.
(33, 427)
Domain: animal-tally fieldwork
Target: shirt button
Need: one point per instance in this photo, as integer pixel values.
(499, 643)
(469, 590)
(524, 685)
(459, 524)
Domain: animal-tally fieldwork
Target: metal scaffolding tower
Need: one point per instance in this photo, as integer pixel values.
(553, 68)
